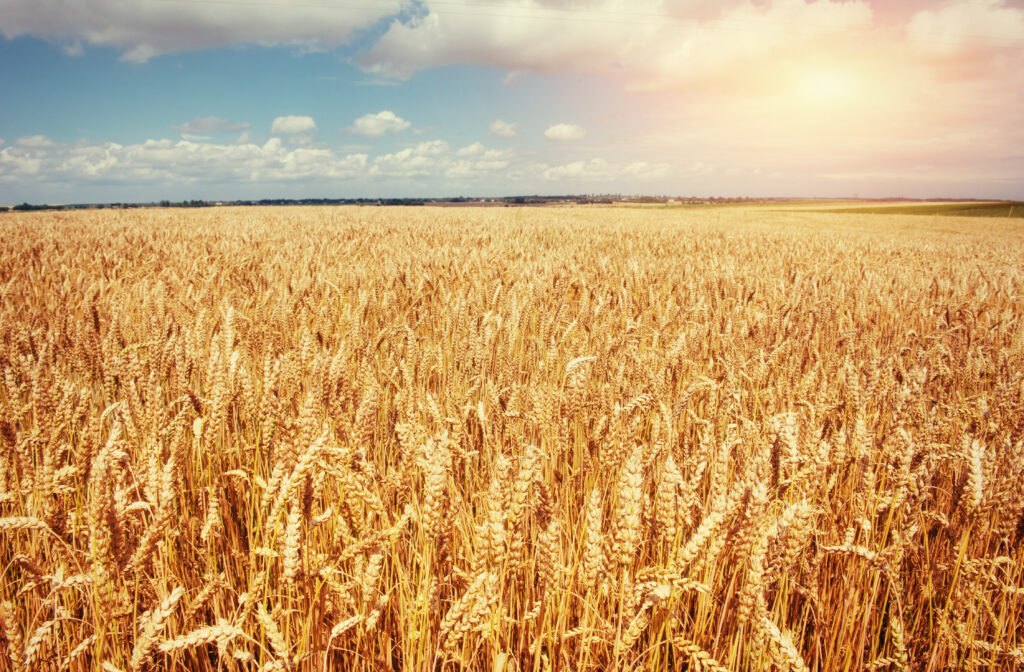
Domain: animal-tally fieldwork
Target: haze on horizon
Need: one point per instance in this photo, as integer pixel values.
(237, 99)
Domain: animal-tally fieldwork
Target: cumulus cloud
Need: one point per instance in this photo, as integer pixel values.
(175, 161)
(34, 141)
(144, 30)
(423, 159)
(378, 125)
(599, 169)
(962, 26)
(292, 125)
(564, 132)
(435, 159)
(497, 154)
(646, 43)
(470, 150)
(201, 125)
(17, 163)
(166, 161)
(503, 129)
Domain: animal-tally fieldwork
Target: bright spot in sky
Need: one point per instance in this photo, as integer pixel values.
(825, 86)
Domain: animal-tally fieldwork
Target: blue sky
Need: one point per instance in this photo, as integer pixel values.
(251, 99)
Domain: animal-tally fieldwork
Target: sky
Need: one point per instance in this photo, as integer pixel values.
(145, 100)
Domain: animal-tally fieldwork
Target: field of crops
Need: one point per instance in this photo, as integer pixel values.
(510, 439)
(951, 209)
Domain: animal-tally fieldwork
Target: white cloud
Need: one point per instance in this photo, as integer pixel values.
(202, 125)
(406, 162)
(475, 159)
(497, 154)
(599, 169)
(645, 43)
(504, 129)
(34, 141)
(579, 169)
(434, 159)
(962, 26)
(645, 170)
(170, 167)
(143, 30)
(185, 162)
(292, 125)
(17, 163)
(378, 125)
(470, 150)
(564, 132)
(181, 161)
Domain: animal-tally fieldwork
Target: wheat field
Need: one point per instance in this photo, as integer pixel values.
(510, 439)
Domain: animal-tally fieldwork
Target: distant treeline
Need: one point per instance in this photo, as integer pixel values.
(576, 199)
(29, 207)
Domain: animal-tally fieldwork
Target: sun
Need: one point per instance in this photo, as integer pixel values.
(826, 86)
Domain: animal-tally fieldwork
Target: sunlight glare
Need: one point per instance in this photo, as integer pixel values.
(826, 87)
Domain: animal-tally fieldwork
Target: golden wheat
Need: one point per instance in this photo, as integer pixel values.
(571, 439)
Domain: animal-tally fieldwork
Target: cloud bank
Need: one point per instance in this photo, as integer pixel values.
(38, 159)
(644, 43)
(142, 30)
